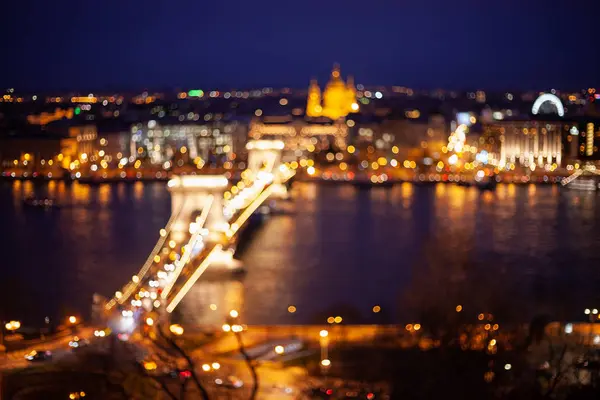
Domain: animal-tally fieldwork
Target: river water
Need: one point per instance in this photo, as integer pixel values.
(415, 251)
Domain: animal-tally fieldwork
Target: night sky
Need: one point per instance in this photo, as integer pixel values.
(155, 44)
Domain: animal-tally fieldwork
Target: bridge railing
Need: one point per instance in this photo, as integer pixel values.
(131, 286)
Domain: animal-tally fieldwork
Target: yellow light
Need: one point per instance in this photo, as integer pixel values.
(213, 307)
(480, 317)
(176, 329)
(149, 321)
(205, 367)
(487, 327)
(72, 396)
(72, 319)
(237, 328)
(343, 166)
(215, 365)
(395, 149)
(157, 258)
(27, 156)
(351, 149)
(330, 320)
(376, 309)
(226, 327)
(417, 327)
(172, 244)
(183, 150)
(279, 349)
(493, 342)
(135, 279)
(458, 308)
(324, 333)
(150, 365)
(382, 161)
(234, 314)
(338, 320)
(310, 170)
(326, 362)
(292, 309)
(354, 107)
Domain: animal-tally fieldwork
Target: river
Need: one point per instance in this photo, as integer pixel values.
(415, 251)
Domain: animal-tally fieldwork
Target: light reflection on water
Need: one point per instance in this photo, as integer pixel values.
(417, 251)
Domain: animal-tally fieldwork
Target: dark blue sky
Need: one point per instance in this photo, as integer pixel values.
(108, 44)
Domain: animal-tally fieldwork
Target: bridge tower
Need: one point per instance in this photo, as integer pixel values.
(190, 195)
(266, 155)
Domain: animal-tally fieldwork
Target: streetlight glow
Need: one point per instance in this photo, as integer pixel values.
(324, 333)
(326, 362)
(149, 321)
(205, 367)
(176, 329)
(234, 314)
(279, 349)
(72, 319)
(226, 327)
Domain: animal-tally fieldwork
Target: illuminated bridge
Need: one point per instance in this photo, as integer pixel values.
(208, 213)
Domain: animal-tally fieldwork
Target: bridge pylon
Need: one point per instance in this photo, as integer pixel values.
(190, 195)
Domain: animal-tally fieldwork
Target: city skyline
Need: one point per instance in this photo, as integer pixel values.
(457, 46)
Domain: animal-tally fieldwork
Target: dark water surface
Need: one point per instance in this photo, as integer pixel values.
(416, 251)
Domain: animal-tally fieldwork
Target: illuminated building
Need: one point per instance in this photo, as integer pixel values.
(211, 141)
(298, 134)
(45, 117)
(527, 143)
(339, 98)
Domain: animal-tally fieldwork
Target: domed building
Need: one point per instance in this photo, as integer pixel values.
(339, 98)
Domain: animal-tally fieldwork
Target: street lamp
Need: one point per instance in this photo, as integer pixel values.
(234, 314)
(12, 326)
(279, 350)
(176, 329)
(72, 319)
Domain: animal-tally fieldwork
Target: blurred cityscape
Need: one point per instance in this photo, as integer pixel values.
(345, 132)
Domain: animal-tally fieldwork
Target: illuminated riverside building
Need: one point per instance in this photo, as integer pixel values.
(298, 134)
(339, 98)
(160, 142)
(531, 143)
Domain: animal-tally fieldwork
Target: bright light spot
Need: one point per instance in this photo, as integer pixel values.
(354, 106)
(205, 367)
(72, 319)
(226, 327)
(379, 95)
(213, 307)
(234, 314)
(310, 170)
(568, 328)
(176, 329)
(587, 311)
(135, 279)
(215, 365)
(279, 349)
(237, 328)
(507, 367)
(595, 311)
(292, 309)
(338, 320)
(376, 309)
(149, 321)
(326, 362)
(324, 333)
(416, 327)
(330, 320)
(459, 308)
(452, 159)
